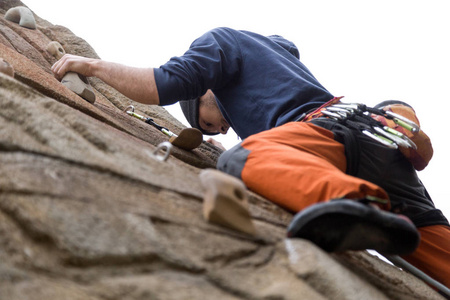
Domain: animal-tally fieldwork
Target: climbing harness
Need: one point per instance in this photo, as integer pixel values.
(188, 139)
(360, 117)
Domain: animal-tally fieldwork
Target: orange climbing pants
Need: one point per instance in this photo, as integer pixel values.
(299, 164)
(433, 254)
(285, 163)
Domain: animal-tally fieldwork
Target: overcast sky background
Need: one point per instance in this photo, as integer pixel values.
(367, 51)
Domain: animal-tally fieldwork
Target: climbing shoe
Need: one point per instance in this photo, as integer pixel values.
(342, 225)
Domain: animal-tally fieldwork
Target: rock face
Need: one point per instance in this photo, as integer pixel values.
(88, 212)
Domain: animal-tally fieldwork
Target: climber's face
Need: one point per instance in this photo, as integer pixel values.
(210, 117)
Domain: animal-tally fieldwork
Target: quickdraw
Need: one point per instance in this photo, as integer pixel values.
(188, 138)
(130, 111)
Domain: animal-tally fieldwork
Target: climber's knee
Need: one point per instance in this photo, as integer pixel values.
(233, 160)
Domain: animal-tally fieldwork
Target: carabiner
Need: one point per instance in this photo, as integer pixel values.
(342, 112)
(331, 114)
(130, 110)
(399, 141)
(388, 143)
(404, 122)
(348, 106)
(401, 135)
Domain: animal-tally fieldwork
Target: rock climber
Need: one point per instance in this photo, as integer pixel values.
(302, 148)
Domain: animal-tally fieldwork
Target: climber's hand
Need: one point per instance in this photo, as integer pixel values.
(73, 63)
(216, 143)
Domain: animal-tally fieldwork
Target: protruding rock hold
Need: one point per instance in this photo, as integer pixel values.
(56, 50)
(6, 68)
(79, 84)
(225, 201)
(21, 15)
(187, 139)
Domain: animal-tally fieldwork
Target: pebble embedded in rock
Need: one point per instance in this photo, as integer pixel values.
(6, 68)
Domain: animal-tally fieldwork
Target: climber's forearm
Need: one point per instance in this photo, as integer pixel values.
(136, 83)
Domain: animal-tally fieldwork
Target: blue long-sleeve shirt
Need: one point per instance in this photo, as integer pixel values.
(259, 81)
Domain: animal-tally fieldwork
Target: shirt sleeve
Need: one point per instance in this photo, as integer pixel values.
(212, 61)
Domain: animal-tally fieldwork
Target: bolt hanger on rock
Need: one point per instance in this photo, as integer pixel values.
(167, 147)
(188, 139)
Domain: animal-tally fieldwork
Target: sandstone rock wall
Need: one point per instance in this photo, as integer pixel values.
(88, 212)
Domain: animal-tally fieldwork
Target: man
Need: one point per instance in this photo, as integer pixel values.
(340, 180)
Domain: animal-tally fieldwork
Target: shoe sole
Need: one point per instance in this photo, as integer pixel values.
(348, 225)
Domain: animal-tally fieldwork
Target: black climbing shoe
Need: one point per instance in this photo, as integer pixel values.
(350, 225)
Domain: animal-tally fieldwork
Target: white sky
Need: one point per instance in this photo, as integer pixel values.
(367, 51)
